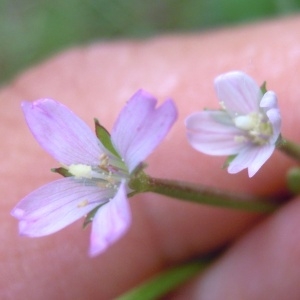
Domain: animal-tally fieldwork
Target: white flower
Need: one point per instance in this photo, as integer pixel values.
(247, 127)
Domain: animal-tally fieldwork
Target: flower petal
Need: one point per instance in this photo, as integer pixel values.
(213, 133)
(141, 127)
(275, 119)
(110, 222)
(252, 158)
(58, 204)
(61, 133)
(270, 105)
(263, 155)
(269, 100)
(238, 92)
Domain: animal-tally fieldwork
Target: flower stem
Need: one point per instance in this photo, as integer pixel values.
(201, 194)
(289, 148)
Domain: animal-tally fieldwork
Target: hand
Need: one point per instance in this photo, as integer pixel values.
(263, 259)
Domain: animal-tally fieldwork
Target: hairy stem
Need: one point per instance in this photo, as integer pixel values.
(289, 148)
(201, 194)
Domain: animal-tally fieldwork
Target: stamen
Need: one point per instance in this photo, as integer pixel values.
(104, 159)
(83, 203)
(258, 128)
(240, 139)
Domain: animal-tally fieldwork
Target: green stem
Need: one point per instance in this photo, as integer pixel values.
(201, 194)
(289, 148)
(165, 282)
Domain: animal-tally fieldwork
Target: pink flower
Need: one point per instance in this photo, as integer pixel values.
(99, 172)
(247, 127)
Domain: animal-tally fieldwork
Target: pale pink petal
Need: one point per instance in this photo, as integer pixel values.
(213, 133)
(131, 119)
(252, 158)
(61, 133)
(275, 119)
(269, 100)
(264, 154)
(141, 127)
(111, 221)
(58, 204)
(243, 160)
(238, 93)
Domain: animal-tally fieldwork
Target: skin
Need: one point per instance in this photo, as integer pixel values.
(262, 256)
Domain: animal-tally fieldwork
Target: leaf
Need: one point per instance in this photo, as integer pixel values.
(167, 281)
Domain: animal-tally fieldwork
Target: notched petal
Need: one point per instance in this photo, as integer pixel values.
(269, 100)
(61, 133)
(111, 222)
(141, 127)
(238, 93)
(213, 133)
(58, 204)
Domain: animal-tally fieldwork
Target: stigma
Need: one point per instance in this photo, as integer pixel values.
(80, 170)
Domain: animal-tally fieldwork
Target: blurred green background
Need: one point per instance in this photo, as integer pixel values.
(31, 30)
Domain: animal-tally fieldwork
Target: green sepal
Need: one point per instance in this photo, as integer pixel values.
(62, 171)
(139, 168)
(138, 182)
(293, 180)
(104, 137)
(279, 142)
(263, 87)
(228, 160)
(90, 216)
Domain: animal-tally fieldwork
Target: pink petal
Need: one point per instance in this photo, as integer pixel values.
(213, 133)
(269, 104)
(58, 204)
(269, 100)
(252, 158)
(238, 92)
(141, 127)
(110, 222)
(61, 133)
(261, 157)
(275, 119)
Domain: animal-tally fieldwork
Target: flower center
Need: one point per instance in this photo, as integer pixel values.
(257, 127)
(80, 170)
(108, 174)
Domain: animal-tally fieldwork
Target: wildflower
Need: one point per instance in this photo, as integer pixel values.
(246, 128)
(97, 171)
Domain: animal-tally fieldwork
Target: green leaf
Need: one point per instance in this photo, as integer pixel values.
(165, 282)
(104, 137)
(62, 171)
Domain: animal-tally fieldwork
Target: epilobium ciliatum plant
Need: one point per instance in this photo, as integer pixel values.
(101, 171)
